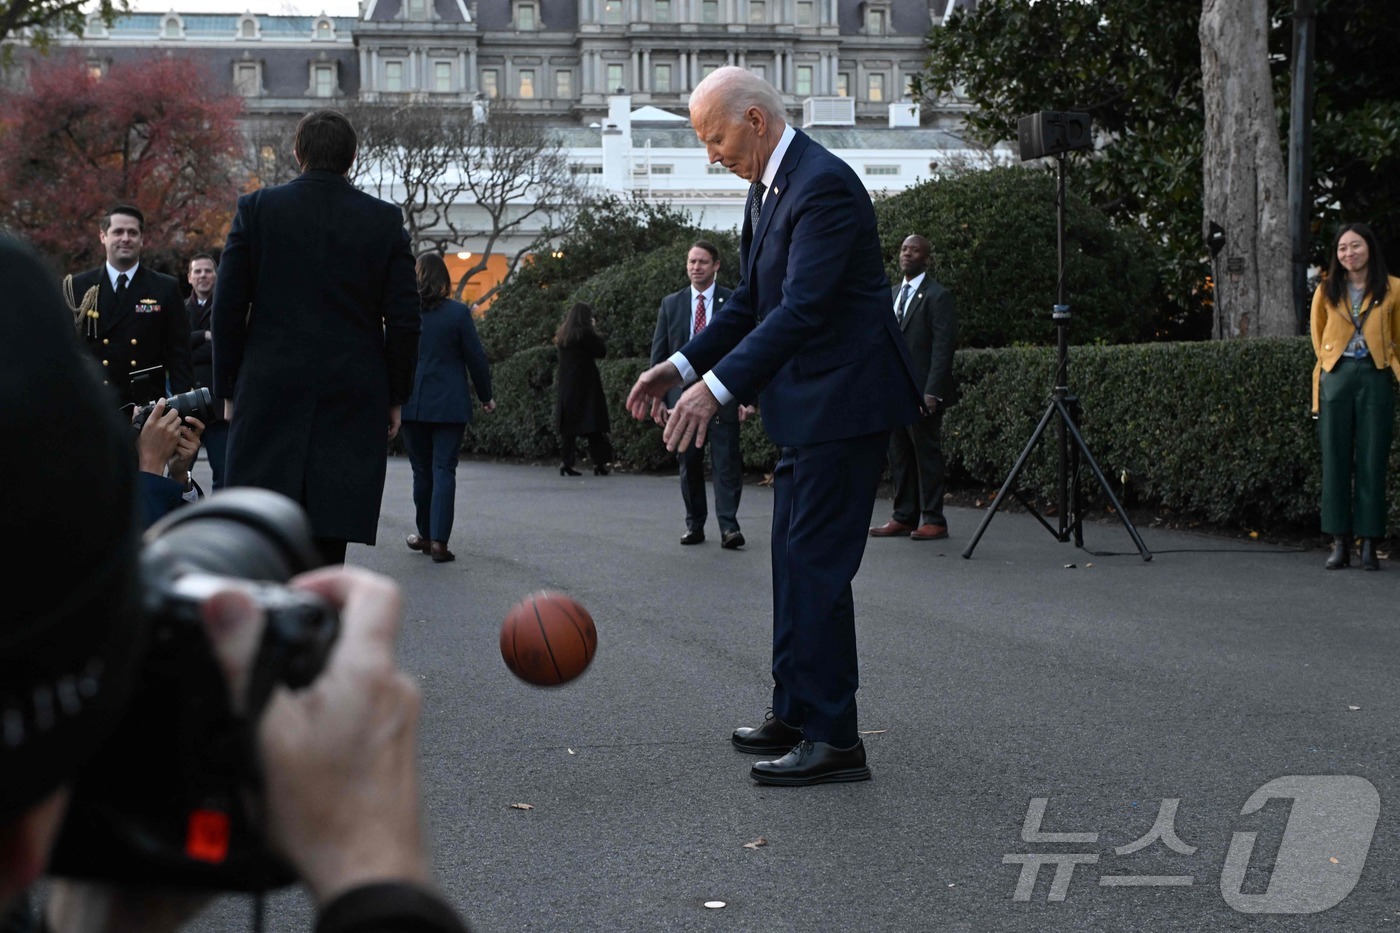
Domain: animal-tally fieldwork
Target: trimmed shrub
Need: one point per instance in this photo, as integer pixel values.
(627, 295)
(1216, 431)
(530, 306)
(994, 247)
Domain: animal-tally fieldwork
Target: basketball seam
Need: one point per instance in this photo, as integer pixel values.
(534, 604)
(583, 637)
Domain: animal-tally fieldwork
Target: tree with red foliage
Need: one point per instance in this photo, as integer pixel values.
(154, 133)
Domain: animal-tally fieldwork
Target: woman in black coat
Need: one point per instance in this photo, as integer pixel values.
(436, 415)
(580, 407)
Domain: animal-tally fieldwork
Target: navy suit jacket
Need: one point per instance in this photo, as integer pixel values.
(673, 332)
(809, 328)
(448, 349)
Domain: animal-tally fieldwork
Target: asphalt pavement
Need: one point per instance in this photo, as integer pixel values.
(1101, 716)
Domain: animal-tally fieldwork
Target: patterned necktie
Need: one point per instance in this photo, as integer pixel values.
(756, 203)
(903, 297)
(699, 313)
(121, 288)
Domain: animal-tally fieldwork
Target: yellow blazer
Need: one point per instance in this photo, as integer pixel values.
(1332, 329)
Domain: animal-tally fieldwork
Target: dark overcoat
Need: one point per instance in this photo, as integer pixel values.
(448, 350)
(316, 321)
(149, 328)
(580, 406)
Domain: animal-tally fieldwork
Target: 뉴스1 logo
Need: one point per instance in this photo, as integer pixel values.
(1330, 826)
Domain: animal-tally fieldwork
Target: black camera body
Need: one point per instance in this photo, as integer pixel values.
(173, 798)
(196, 403)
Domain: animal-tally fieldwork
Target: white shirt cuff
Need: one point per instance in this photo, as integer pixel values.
(683, 364)
(722, 395)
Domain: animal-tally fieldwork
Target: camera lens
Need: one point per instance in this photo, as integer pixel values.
(252, 534)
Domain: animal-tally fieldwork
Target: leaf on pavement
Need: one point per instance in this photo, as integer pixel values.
(522, 806)
(758, 843)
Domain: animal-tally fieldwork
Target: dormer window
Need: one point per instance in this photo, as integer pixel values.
(247, 28)
(877, 17)
(416, 9)
(95, 29)
(526, 17)
(612, 11)
(324, 29)
(172, 28)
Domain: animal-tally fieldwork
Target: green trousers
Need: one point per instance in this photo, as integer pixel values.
(1355, 420)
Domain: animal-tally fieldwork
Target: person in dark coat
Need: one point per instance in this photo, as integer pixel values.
(316, 321)
(132, 318)
(436, 415)
(203, 271)
(581, 409)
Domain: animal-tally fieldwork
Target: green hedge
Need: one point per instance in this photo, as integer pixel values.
(1219, 432)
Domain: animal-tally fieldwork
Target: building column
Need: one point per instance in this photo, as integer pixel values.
(645, 83)
(636, 72)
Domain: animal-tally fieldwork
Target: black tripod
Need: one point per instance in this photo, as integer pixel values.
(1070, 513)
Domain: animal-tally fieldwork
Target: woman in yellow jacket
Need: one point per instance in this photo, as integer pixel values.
(1355, 326)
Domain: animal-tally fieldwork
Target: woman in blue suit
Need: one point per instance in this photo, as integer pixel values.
(436, 415)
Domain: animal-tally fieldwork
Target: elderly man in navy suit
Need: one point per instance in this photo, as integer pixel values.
(928, 318)
(808, 331)
(682, 315)
(316, 323)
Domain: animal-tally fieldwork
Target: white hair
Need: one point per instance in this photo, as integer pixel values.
(738, 89)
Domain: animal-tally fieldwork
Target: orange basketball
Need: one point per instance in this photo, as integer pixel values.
(548, 639)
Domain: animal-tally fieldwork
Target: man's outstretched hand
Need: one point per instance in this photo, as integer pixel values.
(648, 396)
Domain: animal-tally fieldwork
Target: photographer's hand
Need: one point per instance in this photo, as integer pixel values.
(159, 438)
(186, 450)
(340, 757)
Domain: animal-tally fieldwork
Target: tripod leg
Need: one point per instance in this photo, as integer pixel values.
(1010, 480)
(1103, 483)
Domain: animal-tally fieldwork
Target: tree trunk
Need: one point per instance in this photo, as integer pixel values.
(1245, 188)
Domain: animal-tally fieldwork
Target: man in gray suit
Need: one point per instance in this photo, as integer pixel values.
(928, 320)
(684, 314)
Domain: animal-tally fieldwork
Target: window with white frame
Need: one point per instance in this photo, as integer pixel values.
(393, 76)
(907, 89)
(663, 169)
(806, 13)
(525, 87)
(323, 81)
(709, 11)
(526, 17)
(612, 11)
(707, 70)
(614, 77)
(875, 87)
(716, 170)
(416, 9)
(564, 85)
(843, 84)
(882, 170)
(248, 29)
(803, 87)
(442, 77)
(758, 11)
(875, 19)
(247, 78)
(172, 28)
(491, 83)
(661, 82)
(661, 11)
(324, 29)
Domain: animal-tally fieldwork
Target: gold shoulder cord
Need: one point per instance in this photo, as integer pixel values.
(84, 313)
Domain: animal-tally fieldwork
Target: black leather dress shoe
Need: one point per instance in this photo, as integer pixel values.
(693, 536)
(774, 737)
(814, 763)
(732, 540)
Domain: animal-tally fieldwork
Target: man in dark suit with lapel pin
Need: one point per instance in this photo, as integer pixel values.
(203, 271)
(316, 323)
(808, 331)
(928, 318)
(682, 315)
(135, 316)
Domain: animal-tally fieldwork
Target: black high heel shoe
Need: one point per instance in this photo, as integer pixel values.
(1369, 559)
(568, 471)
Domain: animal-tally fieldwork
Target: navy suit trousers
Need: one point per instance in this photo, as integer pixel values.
(823, 496)
(433, 451)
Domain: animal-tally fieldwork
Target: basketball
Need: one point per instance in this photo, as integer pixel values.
(548, 639)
